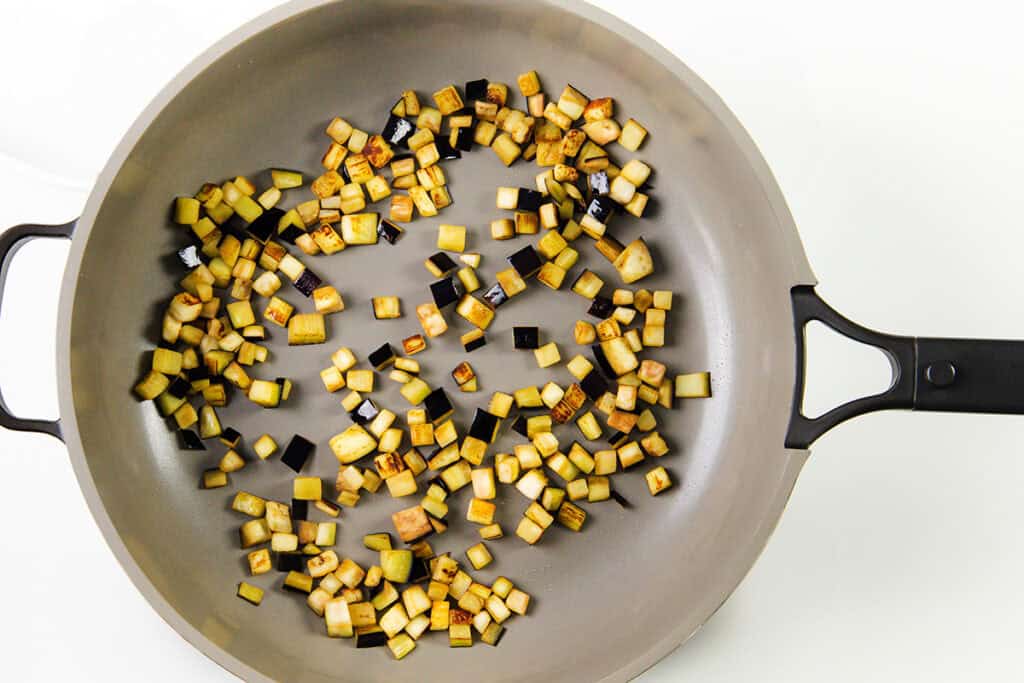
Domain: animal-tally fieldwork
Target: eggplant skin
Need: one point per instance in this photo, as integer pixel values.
(371, 639)
(520, 426)
(397, 130)
(601, 208)
(445, 149)
(495, 296)
(529, 200)
(525, 261)
(601, 307)
(526, 337)
(307, 282)
(476, 90)
(484, 426)
(464, 139)
(602, 362)
(389, 231)
(382, 357)
(437, 404)
(474, 341)
(297, 453)
(265, 225)
(190, 441)
(445, 292)
(594, 385)
(365, 412)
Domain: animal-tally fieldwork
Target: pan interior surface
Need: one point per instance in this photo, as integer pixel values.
(607, 602)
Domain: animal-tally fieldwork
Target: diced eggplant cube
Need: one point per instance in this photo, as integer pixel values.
(617, 439)
(484, 426)
(476, 90)
(437, 405)
(397, 130)
(693, 385)
(382, 357)
(445, 150)
(388, 231)
(519, 426)
(290, 562)
(230, 437)
(179, 388)
(473, 340)
(307, 282)
(526, 261)
(373, 637)
(300, 509)
(297, 452)
(602, 362)
(420, 570)
(464, 138)
(445, 292)
(601, 307)
(526, 337)
(386, 307)
(529, 200)
(365, 412)
(190, 441)
(475, 311)
(495, 296)
(266, 225)
(601, 208)
(440, 264)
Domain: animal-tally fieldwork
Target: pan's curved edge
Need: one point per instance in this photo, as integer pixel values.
(69, 421)
(795, 461)
(801, 274)
(801, 269)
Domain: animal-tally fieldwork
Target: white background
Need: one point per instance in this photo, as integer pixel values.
(895, 132)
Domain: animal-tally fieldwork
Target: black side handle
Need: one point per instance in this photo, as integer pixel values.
(10, 242)
(937, 374)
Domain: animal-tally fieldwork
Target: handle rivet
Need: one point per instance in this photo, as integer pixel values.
(941, 373)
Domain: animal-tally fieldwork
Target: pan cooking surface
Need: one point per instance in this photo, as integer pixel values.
(605, 602)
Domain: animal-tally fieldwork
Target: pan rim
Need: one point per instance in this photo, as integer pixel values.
(799, 268)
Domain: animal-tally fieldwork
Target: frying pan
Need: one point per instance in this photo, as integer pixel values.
(608, 603)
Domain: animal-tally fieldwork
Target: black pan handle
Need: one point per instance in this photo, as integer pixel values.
(949, 375)
(10, 242)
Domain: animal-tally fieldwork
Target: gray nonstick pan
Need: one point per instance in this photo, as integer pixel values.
(608, 603)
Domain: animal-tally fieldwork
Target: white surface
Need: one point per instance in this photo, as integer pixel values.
(895, 133)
